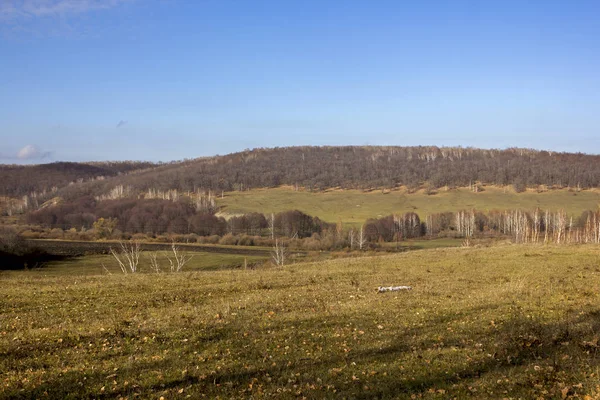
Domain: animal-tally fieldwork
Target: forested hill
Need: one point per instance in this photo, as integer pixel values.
(364, 167)
(19, 180)
(314, 168)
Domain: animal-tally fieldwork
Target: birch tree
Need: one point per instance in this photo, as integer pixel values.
(362, 239)
(279, 253)
(178, 259)
(127, 256)
(272, 225)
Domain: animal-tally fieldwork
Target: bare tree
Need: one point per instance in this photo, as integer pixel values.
(546, 225)
(537, 222)
(279, 253)
(180, 258)
(362, 239)
(154, 266)
(351, 238)
(272, 225)
(128, 256)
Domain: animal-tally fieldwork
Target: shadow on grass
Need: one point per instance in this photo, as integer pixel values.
(518, 343)
(32, 259)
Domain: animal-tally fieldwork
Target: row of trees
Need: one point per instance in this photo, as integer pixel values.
(157, 216)
(523, 226)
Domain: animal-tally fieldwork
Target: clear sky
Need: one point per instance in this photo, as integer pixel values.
(172, 79)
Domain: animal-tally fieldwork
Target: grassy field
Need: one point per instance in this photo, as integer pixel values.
(353, 206)
(501, 322)
(419, 244)
(106, 264)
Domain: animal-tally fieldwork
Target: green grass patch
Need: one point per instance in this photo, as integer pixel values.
(105, 264)
(420, 244)
(355, 207)
(501, 322)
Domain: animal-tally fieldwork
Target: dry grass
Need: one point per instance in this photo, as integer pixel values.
(354, 207)
(500, 322)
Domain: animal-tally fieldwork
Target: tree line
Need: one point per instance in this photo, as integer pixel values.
(522, 226)
(158, 216)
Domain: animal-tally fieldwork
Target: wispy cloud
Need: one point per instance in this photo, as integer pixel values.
(31, 152)
(121, 123)
(48, 8)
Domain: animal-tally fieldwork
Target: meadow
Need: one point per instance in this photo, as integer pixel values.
(99, 264)
(355, 207)
(509, 321)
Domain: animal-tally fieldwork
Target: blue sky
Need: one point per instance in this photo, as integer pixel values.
(169, 79)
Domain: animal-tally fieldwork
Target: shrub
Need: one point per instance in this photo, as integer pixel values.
(228, 239)
(139, 237)
(56, 233)
(246, 240)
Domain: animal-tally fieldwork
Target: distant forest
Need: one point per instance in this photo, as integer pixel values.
(314, 168)
(20, 180)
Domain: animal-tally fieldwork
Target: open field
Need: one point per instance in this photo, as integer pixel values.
(106, 264)
(501, 322)
(354, 206)
(420, 244)
(78, 247)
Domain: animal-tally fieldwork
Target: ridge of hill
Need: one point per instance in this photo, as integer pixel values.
(361, 167)
(20, 180)
(314, 168)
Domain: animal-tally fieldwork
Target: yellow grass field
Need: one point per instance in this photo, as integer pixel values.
(354, 206)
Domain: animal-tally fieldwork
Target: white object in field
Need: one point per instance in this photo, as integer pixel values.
(393, 288)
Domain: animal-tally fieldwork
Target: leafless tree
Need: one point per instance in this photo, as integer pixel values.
(362, 239)
(127, 256)
(178, 259)
(272, 225)
(154, 265)
(560, 225)
(351, 238)
(279, 253)
(537, 222)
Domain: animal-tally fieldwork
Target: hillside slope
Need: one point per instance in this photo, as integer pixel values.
(318, 168)
(19, 180)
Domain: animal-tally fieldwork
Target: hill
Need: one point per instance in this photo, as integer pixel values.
(314, 168)
(20, 180)
(360, 167)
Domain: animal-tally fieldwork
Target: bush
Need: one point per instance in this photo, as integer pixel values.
(72, 234)
(56, 233)
(228, 239)
(29, 234)
(246, 240)
(16, 253)
(141, 237)
(12, 243)
(519, 187)
(213, 239)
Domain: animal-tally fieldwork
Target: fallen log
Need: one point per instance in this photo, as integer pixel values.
(383, 289)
